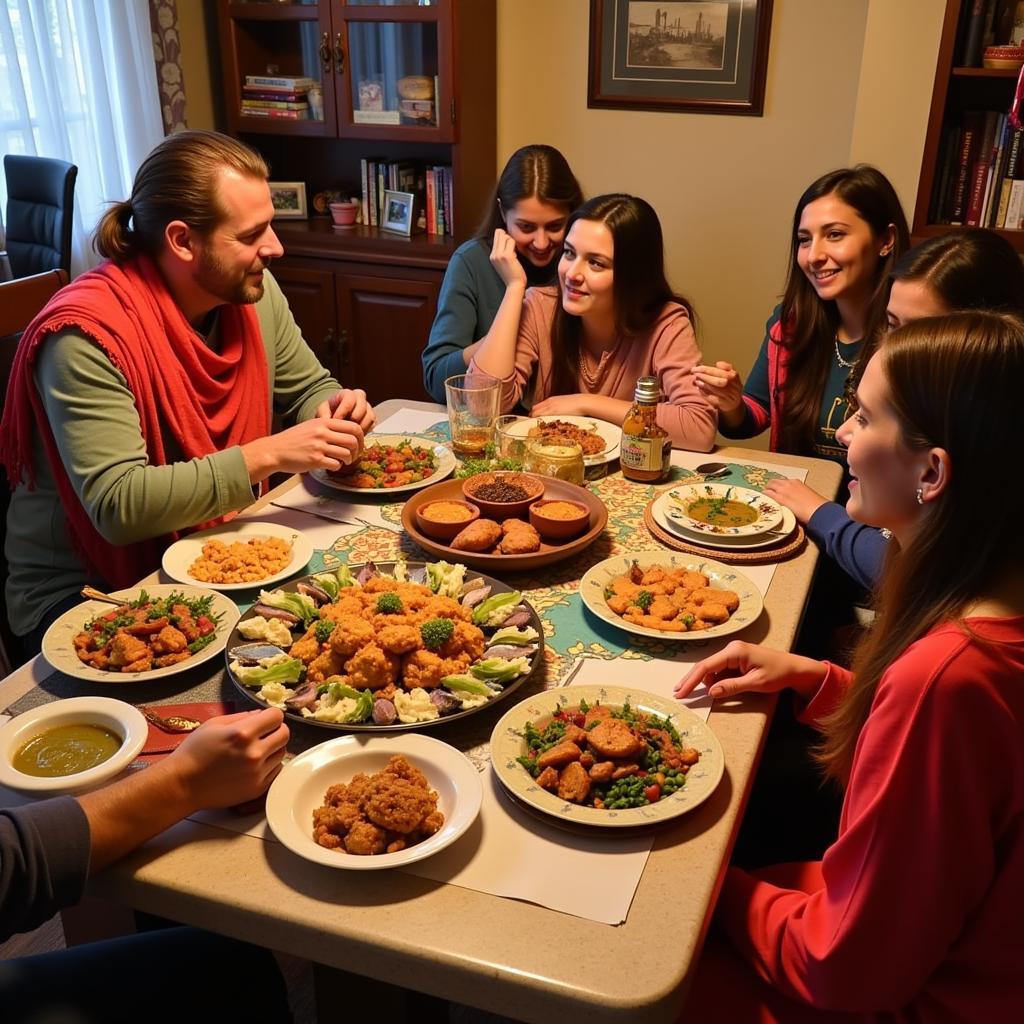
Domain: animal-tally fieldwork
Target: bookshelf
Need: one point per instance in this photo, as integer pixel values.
(401, 82)
(961, 88)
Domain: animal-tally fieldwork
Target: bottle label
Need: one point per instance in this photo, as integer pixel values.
(651, 454)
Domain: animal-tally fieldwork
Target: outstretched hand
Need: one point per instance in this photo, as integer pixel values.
(802, 500)
(722, 386)
(741, 667)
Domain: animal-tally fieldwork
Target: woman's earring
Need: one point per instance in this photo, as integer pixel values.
(920, 495)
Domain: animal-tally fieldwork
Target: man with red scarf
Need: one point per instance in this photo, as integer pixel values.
(141, 397)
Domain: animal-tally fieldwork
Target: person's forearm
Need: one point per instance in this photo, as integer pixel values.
(133, 810)
(603, 407)
(496, 354)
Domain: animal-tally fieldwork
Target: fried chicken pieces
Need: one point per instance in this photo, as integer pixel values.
(672, 600)
(512, 537)
(380, 813)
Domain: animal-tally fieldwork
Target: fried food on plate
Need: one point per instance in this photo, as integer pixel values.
(479, 536)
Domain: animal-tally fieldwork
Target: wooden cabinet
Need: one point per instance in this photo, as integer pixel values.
(365, 298)
(959, 89)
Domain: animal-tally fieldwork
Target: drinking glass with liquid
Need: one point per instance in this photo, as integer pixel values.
(473, 402)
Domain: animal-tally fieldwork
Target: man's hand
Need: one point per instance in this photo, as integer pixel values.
(319, 443)
(348, 404)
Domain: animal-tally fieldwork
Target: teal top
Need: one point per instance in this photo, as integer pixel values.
(96, 426)
(471, 293)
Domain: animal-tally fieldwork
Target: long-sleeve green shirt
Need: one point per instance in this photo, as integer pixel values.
(96, 426)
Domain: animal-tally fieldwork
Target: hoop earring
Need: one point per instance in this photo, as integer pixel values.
(920, 495)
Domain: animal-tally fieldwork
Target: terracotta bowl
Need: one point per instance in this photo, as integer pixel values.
(499, 510)
(444, 529)
(551, 528)
(1006, 57)
(344, 214)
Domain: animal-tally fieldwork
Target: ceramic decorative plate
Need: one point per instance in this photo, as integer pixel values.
(446, 463)
(497, 587)
(670, 517)
(507, 744)
(182, 554)
(59, 649)
(610, 433)
(767, 513)
(723, 577)
(299, 789)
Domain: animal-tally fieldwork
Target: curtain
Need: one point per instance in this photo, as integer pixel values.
(163, 16)
(77, 82)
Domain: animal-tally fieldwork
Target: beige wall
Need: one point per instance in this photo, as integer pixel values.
(725, 186)
(196, 59)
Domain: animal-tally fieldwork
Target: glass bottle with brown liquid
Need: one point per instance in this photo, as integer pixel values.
(646, 450)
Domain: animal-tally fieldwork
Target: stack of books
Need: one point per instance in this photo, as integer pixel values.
(277, 97)
(980, 172)
(432, 187)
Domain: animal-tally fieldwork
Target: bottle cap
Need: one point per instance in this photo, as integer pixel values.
(648, 389)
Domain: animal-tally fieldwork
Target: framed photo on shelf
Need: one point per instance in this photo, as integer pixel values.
(399, 212)
(687, 56)
(289, 199)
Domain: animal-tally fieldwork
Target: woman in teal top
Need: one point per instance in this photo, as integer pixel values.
(516, 247)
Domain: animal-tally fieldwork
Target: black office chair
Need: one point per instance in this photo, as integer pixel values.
(40, 207)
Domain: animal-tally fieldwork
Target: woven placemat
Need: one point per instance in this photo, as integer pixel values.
(786, 548)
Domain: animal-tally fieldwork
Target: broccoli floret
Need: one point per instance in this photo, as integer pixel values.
(324, 629)
(436, 632)
(389, 603)
(643, 599)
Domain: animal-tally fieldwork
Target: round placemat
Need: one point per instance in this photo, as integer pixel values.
(786, 548)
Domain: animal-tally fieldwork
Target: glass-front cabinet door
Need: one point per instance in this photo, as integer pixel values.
(392, 69)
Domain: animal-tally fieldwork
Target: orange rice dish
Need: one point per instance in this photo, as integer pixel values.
(241, 561)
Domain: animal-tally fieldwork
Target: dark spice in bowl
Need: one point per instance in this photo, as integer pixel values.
(501, 490)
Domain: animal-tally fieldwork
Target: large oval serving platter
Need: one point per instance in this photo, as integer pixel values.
(507, 744)
(723, 577)
(497, 587)
(548, 554)
(59, 648)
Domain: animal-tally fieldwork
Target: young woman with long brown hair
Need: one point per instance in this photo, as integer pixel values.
(612, 319)
(848, 230)
(517, 246)
(913, 913)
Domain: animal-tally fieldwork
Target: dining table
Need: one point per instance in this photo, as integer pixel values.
(514, 917)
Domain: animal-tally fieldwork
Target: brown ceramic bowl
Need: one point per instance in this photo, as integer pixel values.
(431, 520)
(560, 527)
(501, 510)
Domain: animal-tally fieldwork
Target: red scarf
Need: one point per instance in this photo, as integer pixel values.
(206, 401)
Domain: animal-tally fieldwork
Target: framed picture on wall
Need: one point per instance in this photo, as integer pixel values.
(289, 198)
(689, 56)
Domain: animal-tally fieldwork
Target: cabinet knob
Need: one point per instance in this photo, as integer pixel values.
(339, 54)
(325, 52)
(343, 348)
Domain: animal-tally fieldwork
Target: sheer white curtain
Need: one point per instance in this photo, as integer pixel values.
(78, 82)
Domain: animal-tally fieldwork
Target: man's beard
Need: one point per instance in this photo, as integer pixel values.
(228, 286)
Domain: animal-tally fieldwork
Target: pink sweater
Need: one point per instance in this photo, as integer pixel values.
(915, 912)
(667, 351)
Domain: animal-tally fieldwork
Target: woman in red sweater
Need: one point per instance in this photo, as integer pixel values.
(914, 912)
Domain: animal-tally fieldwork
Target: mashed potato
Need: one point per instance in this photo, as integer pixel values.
(274, 631)
(415, 706)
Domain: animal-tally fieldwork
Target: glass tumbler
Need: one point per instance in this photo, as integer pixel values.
(512, 438)
(473, 402)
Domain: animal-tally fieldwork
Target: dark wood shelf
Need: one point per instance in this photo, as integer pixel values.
(319, 238)
(985, 72)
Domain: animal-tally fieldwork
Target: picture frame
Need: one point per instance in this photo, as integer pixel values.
(289, 199)
(687, 56)
(399, 212)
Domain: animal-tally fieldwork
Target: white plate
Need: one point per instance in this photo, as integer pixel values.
(610, 433)
(182, 553)
(663, 508)
(121, 718)
(446, 463)
(723, 577)
(300, 788)
(58, 643)
(507, 744)
(769, 512)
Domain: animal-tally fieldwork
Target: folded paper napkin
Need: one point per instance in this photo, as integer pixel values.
(160, 743)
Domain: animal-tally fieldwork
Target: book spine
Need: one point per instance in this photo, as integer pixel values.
(248, 104)
(365, 194)
(283, 115)
(969, 143)
(382, 184)
(449, 195)
(272, 82)
(992, 175)
(1013, 209)
(942, 195)
(1013, 154)
(371, 171)
(286, 95)
(979, 171)
(975, 34)
(431, 203)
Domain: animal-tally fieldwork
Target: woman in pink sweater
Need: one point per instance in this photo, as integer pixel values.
(612, 318)
(914, 912)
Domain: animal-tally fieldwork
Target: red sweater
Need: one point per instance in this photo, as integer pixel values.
(915, 911)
